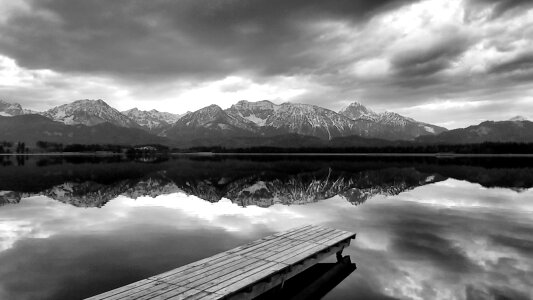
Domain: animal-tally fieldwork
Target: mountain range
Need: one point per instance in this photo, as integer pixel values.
(154, 121)
(265, 118)
(261, 123)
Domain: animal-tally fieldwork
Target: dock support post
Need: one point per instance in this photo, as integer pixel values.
(339, 255)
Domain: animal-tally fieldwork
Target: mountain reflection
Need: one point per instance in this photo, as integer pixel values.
(261, 181)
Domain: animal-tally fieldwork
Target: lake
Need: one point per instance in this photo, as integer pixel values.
(427, 228)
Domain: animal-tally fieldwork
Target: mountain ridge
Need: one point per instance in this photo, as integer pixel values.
(244, 118)
(264, 118)
(487, 131)
(248, 124)
(89, 112)
(152, 120)
(32, 128)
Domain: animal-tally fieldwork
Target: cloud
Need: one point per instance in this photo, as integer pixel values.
(521, 64)
(433, 242)
(181, 38)
(423, 241)
(522, 244)
(501, 7)
(435, 56)
(182, 55)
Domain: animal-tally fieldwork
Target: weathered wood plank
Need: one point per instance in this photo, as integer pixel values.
(211, 268)
(251, 268)
(124, 289)
(248, 247)
(193, 282)
(310, 235)
(261, 286)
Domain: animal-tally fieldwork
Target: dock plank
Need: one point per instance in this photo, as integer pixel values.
(244, 270)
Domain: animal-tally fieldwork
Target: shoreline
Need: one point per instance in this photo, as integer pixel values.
(437, 155)
(62, 154)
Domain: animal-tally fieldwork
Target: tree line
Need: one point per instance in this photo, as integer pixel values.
(477, 148)
(9, 147)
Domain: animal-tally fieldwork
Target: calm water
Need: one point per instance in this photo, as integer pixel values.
(426, 228)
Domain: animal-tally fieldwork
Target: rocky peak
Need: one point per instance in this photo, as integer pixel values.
(254, 112)
(89, 112)
(244, 104)
(153, 120)
(357, 111)
(392, 118)
(203, 116)
(8, 109)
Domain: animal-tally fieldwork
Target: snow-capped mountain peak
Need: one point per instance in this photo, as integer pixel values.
(393, 118)
(152, 119)
(89, 112)
(255, 112)
(394, 124)
(288, 117)
(8, 109)
(357, 110)
(211, 121)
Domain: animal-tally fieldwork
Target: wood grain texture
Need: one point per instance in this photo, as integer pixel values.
(241, 272)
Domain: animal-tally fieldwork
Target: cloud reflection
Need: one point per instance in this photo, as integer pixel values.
(447, 240)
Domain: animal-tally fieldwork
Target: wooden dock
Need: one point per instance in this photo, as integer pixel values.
(244, 272)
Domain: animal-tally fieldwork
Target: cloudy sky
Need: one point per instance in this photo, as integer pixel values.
(452, 63)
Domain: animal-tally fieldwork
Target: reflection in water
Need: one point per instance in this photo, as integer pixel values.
(92, 181)
(428, 229)
(313, 283)
(264, 185)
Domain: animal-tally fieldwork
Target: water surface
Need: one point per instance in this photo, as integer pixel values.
(72, 227)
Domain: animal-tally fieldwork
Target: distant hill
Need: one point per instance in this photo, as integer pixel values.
(520, 131)
(33, 128)
(278, 141)
(357, 141)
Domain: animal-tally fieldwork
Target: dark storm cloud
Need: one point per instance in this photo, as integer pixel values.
(520, 63)
(430, 59)
(522, 244)
(178, 38)
(483, 292)
(383, 53)
(500, 7)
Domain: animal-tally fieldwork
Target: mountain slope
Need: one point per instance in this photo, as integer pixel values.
(489, 131)
(389, 125)
(89, 113)
(154, 121)
(33, 128)
(357, 110)
(284, 141)
(209, 122)
(286, 118)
